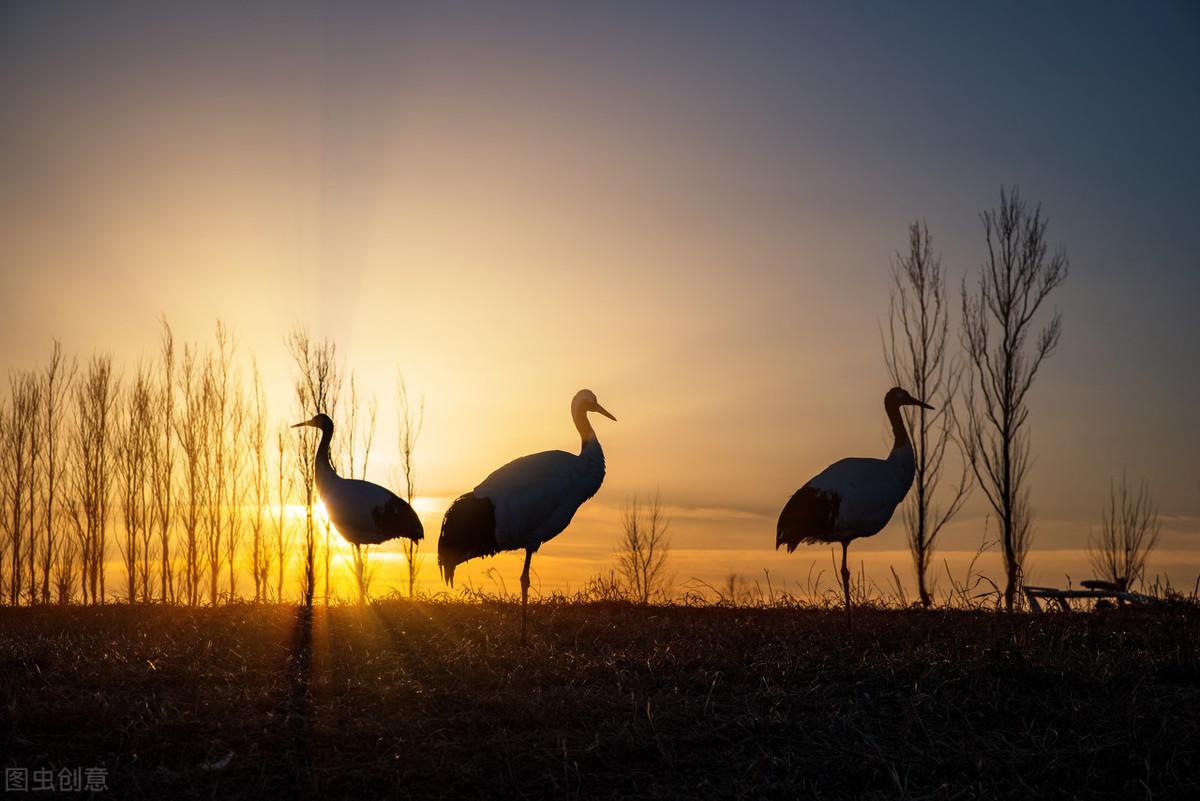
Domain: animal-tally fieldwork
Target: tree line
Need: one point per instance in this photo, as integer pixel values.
(179, 470)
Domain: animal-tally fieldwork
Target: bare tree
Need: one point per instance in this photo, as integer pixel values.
(235, 483)
(33, 445)
(359, 431)
(93, 455)
(260, 554)
(20, 447)
(64, 568)
(56, 383)
(132, 459)
(162, 462)
(191, 432)
(643, 550)
(218, 456)
(5, 499)
(1129, 530)
(914, 350)
(284, 532)
(318, 384)
(998, 317)
(411, 421)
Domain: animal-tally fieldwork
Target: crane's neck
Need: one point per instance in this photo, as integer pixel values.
(587, 434)
(901, 459)
(899, 432)
(322, 465)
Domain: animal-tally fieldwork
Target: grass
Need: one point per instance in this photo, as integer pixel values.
(435, 700)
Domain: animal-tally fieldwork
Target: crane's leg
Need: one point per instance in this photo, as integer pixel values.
(846, 579)
(525, 593)
(358, 576)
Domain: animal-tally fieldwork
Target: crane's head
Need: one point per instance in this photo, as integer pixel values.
(585, 401)
(319, 420)
(899, 397)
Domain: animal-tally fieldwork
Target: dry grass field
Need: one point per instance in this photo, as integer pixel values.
(436, 700)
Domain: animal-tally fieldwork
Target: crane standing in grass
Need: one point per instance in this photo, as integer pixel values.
(855, 497)
(526, 502)
(362, 512)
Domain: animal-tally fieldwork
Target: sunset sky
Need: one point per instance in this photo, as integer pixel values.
(688, 208)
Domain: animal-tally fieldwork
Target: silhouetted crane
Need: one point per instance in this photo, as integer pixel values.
(526, 502)
(362, 512)
(855, 497)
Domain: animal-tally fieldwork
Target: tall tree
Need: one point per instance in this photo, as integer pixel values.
(411, 421)
(93, 454)
(283, 530)
(5, 519)
(162, 461)
(998, 323)
(33, 444)
(219, 455)
(356, 442)
(191, 433)
(57, 379)
(256, 437)
(132, 461)
(317, 386)
(20, 445)
(914, 350)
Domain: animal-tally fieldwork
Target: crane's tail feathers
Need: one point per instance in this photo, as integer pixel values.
(397, 519)
(468, 530)
(809, 517)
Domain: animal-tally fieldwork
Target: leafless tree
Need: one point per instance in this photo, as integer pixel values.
(191, 427)
(411, 421)
(64, 568)
(21, 446)
(283, 530)
(998, 319)
(5, 500)
(132, 462)
(33, 445)
(643, 550)
(359, 432)
(260, 554)
(1129, 530)
(235, 483)
(162, 462)
(57, 379)
(317, 386)
(220, 460)
(93, 456)
(914, 350)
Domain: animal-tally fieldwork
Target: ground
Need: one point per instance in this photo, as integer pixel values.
(436, 700)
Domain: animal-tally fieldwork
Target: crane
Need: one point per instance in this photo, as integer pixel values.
(362, 512)
(853, 497)
(526, 502)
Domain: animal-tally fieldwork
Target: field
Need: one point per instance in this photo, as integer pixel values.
(436, 700)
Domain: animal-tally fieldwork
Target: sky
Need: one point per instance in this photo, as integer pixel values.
(689, 208)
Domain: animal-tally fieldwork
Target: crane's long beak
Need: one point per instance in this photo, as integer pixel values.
(301, 425)
(922, 404)
(605, 412)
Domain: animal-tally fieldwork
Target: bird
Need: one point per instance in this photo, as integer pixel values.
(526, 502)
(363, 513)
(853, 497)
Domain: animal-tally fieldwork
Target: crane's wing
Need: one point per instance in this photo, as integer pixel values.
(367, 513)
(867, 490)
(529, 494)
